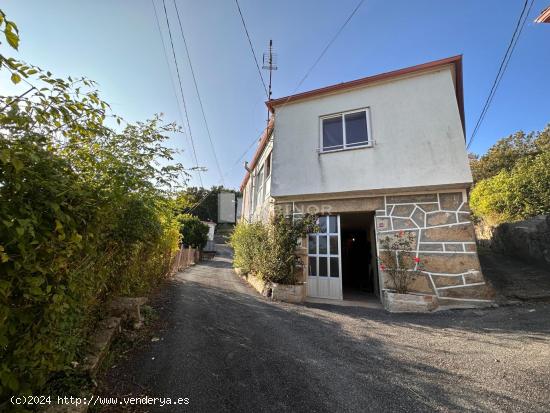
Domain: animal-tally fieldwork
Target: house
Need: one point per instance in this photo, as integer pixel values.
(544, 16)
(372, 157)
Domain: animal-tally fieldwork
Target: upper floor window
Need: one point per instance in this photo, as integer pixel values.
(345, 131)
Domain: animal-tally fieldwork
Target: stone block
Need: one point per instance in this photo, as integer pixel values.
(430, 247)
(288, 293)
(477, 292)
(454, 248)
(474, 277)
(428, 207)
(464, 217)
(419, 217)
(451, 201)
(409, 303)
(402, 210)
(402, 199)
(403, 223)
(446, 281)
(383, 224)
(440, 218)
(421, 284)
(452, 263)
(461, 232)
(470, 247)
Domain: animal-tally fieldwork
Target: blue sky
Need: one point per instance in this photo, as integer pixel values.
(117, 44)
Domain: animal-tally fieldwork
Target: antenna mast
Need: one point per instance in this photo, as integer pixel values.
(269, 63)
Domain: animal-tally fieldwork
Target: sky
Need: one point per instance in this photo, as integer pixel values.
(118, 44)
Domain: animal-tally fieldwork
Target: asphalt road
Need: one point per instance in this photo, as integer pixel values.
(229, 350)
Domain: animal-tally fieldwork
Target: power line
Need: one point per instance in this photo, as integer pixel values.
(181, 91)
(198, 94)
(168, 66)
(502, 69)
(342, 27)
(252, 48)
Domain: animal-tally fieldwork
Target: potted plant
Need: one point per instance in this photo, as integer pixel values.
(401, 265)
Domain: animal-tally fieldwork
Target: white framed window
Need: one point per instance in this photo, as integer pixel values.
(260, 192)
(346, 130)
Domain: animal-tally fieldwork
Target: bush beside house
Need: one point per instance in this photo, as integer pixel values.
(194, 233)
(268, 250)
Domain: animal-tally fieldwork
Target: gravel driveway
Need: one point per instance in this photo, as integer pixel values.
(229, 350)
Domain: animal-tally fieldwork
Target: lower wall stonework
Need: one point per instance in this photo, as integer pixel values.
(445, 243)
(444, 234)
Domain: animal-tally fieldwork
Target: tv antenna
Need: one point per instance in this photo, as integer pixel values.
(269, 63)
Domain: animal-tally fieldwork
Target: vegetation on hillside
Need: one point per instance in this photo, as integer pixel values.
(86, 213)
(512, 180)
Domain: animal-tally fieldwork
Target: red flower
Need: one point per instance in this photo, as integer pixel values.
(401, 233)
(416, 259)
(382, 267)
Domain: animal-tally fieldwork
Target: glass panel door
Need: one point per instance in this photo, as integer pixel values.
(324, 264)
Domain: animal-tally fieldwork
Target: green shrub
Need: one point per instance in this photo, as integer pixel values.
(194, 233)
(84, 215)
(268, 250)
(514, 195)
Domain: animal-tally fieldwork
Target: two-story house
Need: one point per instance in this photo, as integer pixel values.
(374, 156)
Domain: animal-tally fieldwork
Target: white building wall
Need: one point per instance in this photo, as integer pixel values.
(416, 126)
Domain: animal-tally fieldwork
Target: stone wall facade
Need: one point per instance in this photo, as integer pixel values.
(440, 223)
(445, 242)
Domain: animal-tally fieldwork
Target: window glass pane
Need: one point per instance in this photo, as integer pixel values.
(334, 270)
(356, 128)
(332, 133)
(323, 245)
(322, 222)
(323, 270)
(333, 224)
(312, 266)
(334, 245)
(311, 244)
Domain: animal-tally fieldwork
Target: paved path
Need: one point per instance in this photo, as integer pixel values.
(230, 350)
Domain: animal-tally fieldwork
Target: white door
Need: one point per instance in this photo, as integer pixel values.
(324, 263)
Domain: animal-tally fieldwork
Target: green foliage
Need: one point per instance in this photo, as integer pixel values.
(86, 214)
(507, 152)
(512, 179)
(514, 195)
(193, 232)
(398, 260)
(201, 202)
(269, 250)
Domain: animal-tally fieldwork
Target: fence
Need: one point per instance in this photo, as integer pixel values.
(184, 258)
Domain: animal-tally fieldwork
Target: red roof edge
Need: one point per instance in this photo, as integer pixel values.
(261, 146)
(544, 16)
(454, 60)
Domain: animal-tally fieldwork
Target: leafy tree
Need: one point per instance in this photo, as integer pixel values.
(514, 195)
(85, 215)
(194, 233)
(506, 153)
(201, 202)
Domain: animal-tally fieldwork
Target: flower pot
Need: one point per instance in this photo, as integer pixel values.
(409, 303)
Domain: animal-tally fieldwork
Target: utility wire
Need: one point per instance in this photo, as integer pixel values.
(332, 40)
(181, 91)
(252, 49)
(199, 95)
(303, 78)
(503, 66)
(169, 71)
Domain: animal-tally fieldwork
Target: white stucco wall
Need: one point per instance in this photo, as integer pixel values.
(415, 124)
(260, 210)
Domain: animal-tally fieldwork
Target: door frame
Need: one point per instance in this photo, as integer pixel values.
(328, 286)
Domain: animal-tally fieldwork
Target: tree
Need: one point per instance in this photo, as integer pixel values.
(200, 202)
(506, 153)
(194, 233)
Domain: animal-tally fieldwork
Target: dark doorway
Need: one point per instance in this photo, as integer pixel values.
(359, 270)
